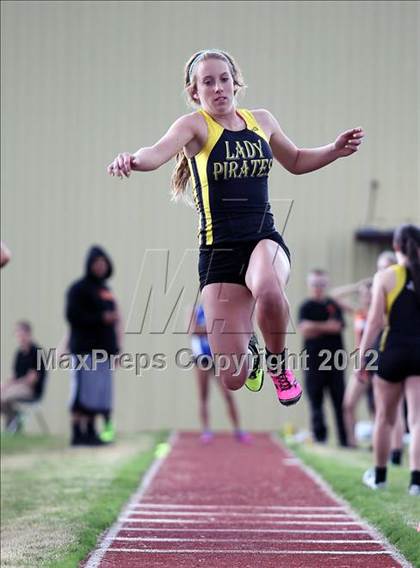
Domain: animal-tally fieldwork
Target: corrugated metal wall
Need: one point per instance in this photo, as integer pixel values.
(84, 80)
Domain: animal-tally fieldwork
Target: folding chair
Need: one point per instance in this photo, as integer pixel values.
(29, 409)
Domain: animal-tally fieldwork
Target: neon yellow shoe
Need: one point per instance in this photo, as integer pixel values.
(255, 380)
(108, 433)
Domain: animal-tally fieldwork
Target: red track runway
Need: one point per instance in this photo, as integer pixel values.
(228, 505)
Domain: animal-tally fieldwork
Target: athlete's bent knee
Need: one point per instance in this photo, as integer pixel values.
(272, 300)
(234, 382)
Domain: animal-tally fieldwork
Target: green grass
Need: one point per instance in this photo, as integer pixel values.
(17, 444)
(392, 511)
(56, 501)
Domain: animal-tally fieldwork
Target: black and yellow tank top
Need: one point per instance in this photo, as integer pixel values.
(230, 182)
(403, 312)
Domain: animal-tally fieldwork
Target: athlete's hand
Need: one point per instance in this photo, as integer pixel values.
(348, 142)
(121, 166)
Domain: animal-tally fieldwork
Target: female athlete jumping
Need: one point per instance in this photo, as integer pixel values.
(227, 154)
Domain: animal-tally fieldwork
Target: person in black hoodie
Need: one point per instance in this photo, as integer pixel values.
(321, 323)
(95, 324)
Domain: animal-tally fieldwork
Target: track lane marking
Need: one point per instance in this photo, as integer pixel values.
(212, 551)
(239, 507)
(212, 530)
(205, 540)
(337, 516)
(210, 521)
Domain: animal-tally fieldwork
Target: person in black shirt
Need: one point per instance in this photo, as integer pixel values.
(321, 323)
(95, 324)
(28, 379)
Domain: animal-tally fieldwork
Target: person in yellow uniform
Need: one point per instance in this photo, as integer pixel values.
(355, 389)
(226, 153)
(396, 293)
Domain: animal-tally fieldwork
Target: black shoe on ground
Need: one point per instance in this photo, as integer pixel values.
(94, 440)
(79, 439)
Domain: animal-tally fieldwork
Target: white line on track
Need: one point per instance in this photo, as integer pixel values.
(246, 540)
(334, 516)
(234, 507)
(211, 521)
(291, 461)
(244, 530)
(212, 551)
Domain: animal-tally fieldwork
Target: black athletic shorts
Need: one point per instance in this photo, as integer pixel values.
(228, 261)
(397, 363)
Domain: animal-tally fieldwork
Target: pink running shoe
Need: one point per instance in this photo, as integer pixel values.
(288, 389)
(206, 437)
(243, 437)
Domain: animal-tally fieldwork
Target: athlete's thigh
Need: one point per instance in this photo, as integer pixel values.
(412, 395)
(228, 310)
(268, 265)
(387, 395)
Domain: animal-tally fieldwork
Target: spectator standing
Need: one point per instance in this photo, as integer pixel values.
(321, 323)
(95, 325)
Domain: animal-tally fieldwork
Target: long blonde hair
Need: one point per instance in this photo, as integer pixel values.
(181, 173)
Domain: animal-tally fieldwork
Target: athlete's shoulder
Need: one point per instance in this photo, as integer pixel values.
(391, 271)
(190, 120)
(195, 121)
(265, 119)
(387, 278)
(261, 113)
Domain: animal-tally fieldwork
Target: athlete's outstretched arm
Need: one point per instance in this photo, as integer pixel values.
(303, 160)
(151, 158)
